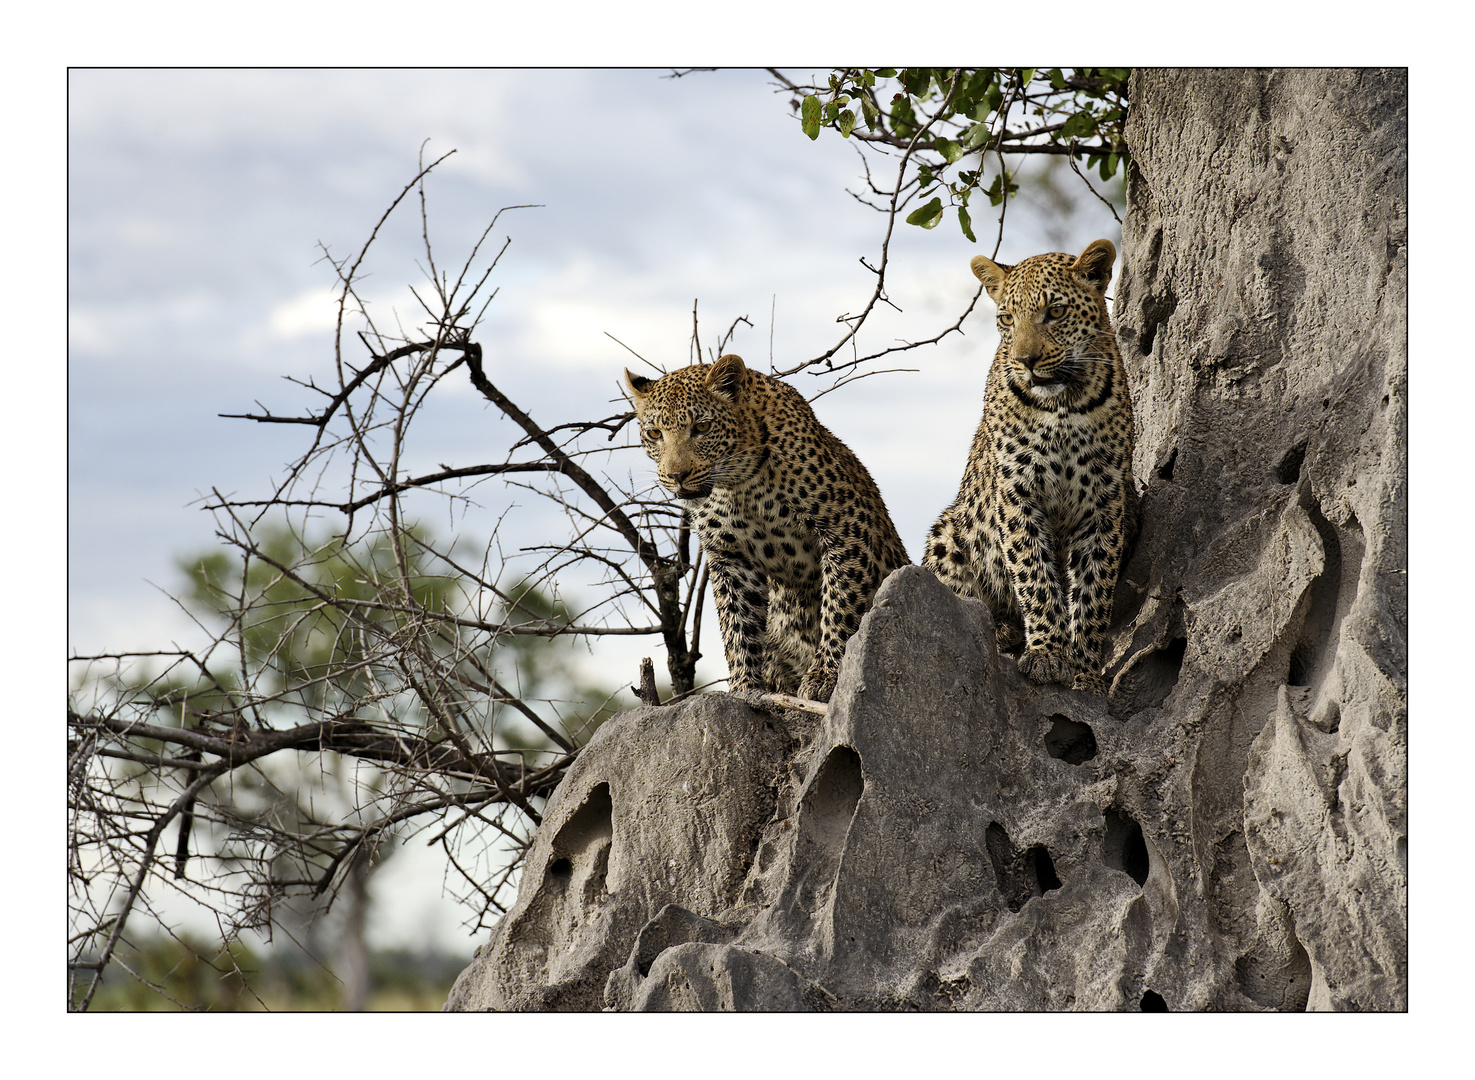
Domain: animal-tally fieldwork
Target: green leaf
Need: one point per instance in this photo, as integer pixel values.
(1077, 127)
(903, 120)
(915, 80)
(872, 114)
(1025, 75)
(966, 223)
(832, 110)
(809, 116)
(969, 100)
(976, 136)
(846, 121)
(886, 73)
(949, 150)
(1000, 189)
(926, 216)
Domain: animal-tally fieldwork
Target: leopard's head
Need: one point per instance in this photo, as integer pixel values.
(1052, 317)
(692, 424)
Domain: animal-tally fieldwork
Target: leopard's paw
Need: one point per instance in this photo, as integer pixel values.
(816, 687)
(1043, 666)
(1090, 682)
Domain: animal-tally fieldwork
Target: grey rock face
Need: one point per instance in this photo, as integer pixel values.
(663, 807)
(1228, 830)
(1263, 316)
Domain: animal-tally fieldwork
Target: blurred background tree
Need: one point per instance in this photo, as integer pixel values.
(312, 627)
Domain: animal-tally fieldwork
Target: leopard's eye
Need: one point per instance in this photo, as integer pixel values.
(701, 427)
(1005, 319)
(652, 433)
(1055, 311)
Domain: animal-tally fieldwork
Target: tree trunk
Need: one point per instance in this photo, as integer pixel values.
(353, 942)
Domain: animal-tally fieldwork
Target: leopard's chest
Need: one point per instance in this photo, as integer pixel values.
(1056, 461)
(758, 524)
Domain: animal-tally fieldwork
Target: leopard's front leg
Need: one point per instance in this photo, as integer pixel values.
(964, 553)
(1093, 561)
(846, 589)
(1029, 553)
(740, 591)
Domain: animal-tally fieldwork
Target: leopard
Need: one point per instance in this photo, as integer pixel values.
(1048, 506)
(795, 532)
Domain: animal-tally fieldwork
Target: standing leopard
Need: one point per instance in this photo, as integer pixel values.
(796, 534)
(1047, 505)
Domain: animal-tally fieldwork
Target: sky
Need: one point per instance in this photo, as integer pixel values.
(199, 205)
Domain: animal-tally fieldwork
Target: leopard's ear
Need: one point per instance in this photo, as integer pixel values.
(638, 385)
(1094, 265)
(726, 377)
(992, 275)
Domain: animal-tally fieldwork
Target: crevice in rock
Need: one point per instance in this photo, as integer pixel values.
(582, 847)
(1148, 678)
(1327, 717)
(1155, 309)
(1152, 1001)
(825, 815)
(1165, 470)
(1329, 597)
(1020, 875)
(1288, 468)
(1125, 848)
(672, 926)
(1070, 741)
(1046, 879)
(576, 878)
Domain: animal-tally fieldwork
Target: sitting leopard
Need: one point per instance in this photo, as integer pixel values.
(1047, 505)
(795, 531)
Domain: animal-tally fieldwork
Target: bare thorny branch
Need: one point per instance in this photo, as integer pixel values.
(373, 646)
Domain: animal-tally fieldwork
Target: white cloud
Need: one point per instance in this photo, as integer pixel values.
(572, 333)
(307, 313)
(86, 330)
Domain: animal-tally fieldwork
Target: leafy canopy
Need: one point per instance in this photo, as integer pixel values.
(945, 116)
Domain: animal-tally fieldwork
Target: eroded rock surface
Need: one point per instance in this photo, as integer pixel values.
(1228, 830)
